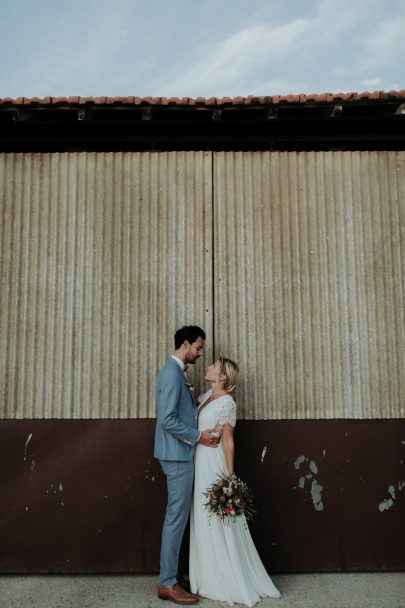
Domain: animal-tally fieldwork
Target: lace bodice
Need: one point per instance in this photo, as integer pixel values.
(220, 411)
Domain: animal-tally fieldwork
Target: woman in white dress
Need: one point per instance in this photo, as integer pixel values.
(224, 563)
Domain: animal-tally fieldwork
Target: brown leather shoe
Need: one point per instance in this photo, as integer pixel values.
(177, 595)
(183, 582)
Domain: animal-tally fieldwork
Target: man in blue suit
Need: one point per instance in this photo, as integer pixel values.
(175, 440)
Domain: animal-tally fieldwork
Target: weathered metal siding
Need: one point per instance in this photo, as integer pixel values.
(87, 495)
(101, 257)
(309, 281)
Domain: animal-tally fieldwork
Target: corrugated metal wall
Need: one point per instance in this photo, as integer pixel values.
(101, 257)
(293, 263)
(309, 282)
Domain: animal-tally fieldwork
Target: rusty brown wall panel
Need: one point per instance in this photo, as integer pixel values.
(102, 257)
(87, 496)
(309, 281)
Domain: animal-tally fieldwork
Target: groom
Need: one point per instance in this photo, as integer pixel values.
(175, 440)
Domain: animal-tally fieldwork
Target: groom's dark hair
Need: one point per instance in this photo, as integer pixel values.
(188, 332)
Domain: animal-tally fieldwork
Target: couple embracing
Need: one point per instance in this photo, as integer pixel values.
(194, 446)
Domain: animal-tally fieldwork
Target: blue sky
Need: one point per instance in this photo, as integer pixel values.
(206, 48)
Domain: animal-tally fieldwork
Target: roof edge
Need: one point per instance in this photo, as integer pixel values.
(300, 98)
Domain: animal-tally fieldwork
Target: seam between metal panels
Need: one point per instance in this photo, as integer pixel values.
(213, 248)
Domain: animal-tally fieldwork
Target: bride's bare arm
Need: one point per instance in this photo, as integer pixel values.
(229, 447)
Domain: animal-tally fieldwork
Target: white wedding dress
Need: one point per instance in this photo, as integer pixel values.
(224, 563)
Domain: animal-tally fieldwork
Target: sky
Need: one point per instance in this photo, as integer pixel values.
(184, 48)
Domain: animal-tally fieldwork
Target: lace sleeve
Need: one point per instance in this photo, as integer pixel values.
(227, 414)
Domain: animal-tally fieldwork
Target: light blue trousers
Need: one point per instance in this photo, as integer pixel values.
(179, 477)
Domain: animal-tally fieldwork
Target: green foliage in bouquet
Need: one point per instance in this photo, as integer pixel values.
(229, 498)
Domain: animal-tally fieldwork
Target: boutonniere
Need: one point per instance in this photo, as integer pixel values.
(189, 384)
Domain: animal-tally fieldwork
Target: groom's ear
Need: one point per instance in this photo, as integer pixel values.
(186, 345)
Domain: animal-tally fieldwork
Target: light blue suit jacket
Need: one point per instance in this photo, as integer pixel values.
(176, 426)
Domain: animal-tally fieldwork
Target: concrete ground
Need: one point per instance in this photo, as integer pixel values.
(359, 590)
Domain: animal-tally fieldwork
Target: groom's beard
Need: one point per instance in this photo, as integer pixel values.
(192, 360)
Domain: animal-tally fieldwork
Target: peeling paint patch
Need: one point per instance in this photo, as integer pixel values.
(316, 493)
(60, 487)
(385, 504)
(316, 488)
(299, 462)
(403, 442)
(26, 445)
(264, 452)
(388, 502)
(324, 453)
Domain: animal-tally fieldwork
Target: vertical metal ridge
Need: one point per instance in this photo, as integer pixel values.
(345, 277)
(305, 249)
(399, 223)
(41, 293)
(84, 288)
(367, 278)
(387, 325)
(375, 284)
(213, 246)
(7, 306)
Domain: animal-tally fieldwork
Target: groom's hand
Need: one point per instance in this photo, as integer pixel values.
(208, 439)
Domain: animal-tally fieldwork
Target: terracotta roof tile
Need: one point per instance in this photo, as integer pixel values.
(300, 98)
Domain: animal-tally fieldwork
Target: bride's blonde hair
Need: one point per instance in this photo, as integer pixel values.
(231, 372)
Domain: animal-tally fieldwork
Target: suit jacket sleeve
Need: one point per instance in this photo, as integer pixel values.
(168, 395)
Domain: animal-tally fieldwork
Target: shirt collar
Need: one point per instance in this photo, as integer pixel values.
(179, 361)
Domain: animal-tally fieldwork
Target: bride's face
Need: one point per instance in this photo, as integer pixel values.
(212, 374)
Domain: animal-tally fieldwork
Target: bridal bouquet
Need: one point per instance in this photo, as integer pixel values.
(228, 498)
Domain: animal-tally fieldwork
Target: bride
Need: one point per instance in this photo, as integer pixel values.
(224, 563)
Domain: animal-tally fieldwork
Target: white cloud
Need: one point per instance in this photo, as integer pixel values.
(371, 82)
(269, 58)
(232, 60)
(382, 48)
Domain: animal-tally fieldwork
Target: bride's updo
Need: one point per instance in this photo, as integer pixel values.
(231, 371)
